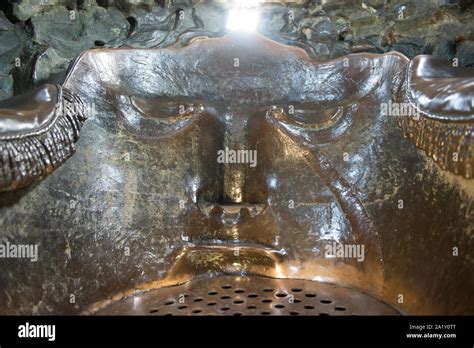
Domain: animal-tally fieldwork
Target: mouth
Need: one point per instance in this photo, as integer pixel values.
(235, 223)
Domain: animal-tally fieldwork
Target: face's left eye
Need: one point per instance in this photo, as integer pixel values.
(156, 116)
(308, 116)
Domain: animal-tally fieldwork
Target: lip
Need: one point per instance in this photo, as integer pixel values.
(234, 223)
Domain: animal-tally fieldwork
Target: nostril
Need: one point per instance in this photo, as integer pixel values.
(245, 213)
(231, 214)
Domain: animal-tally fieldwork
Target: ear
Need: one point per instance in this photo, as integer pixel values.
(38, 131)
(441, 126)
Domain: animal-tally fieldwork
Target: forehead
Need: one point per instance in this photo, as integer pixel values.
(235, 69)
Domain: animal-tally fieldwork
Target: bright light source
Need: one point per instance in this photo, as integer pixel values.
(246, 3)
(242, 19)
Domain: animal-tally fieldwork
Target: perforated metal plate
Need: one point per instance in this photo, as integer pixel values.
(250, 295)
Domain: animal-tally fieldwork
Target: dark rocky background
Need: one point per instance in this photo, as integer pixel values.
(40, 38)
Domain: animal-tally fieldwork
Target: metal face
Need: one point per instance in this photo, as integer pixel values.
(239, 155)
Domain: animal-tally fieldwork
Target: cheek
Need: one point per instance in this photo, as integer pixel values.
(297, 195)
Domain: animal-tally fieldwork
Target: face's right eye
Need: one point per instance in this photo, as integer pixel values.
(308, 117)
(320, 123)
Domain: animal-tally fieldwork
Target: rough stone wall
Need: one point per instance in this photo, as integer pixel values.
(40, 38)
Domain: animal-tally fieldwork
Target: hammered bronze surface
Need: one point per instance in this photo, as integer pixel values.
(235, 295)
(239, 155)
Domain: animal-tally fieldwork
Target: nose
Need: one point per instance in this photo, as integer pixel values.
(236, 140)
(239, 157)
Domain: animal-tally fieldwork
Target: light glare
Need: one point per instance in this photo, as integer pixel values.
(242, 19)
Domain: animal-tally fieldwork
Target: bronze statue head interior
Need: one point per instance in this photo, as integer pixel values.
(243, 160)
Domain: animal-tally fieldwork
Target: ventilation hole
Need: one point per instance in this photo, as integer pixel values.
(103, 3)
(133, 24)
(179, 13)
(278, 298)
(212, 293)
(294, 313)
(226, 286)
(343, 35)
(99, 43)
(168, 314)
(323, 314)
(196, 311)
(237, 314)
(265, 313)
